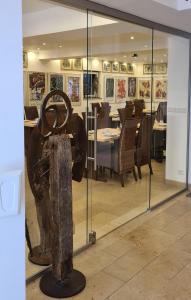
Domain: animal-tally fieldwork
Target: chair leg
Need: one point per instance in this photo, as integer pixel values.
(122, 180)
(151, 169)
(134, 174)
(139, 172)
(111, 173)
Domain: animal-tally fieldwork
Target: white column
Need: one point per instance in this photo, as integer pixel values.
(177, 107)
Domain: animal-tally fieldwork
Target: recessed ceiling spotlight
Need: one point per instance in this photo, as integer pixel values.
(132, 37)
(44, 44)
(60, 46)
(165, 55)
(145, 46)
(38, 48)
(125, 56)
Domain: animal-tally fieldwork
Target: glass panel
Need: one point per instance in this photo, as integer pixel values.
(120, 73)
(56, 46)
(170, 100)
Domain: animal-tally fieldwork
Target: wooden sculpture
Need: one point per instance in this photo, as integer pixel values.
(54, 144)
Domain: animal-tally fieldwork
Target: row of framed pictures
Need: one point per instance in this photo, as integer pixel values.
(118, 89)
(117, 67)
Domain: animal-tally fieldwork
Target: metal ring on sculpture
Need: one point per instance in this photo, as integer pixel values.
(55, 128)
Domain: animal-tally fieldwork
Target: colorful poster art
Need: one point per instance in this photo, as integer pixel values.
(121, 90)
(161, 89)
(36, 86)
(109, 89)
(144, 88)
(132, 87)
(73, 88)
(56, 83)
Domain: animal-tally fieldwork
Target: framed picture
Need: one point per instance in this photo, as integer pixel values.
(123, 68)
(132, 87)
(121, 89)
(161, 68)
(149, 69)
(91, 84)
(115, 67)
(36, 86)
(160, 89)
(130, 69)
(73, 84)
(109, 89)
(106, 66)
(56, 82)
(25, 59)
(66, 64)
(77, 64)
(145, 88)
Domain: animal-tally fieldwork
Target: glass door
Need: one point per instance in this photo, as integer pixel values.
(119, 94)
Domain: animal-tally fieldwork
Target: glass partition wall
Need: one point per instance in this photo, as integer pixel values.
(129, 84)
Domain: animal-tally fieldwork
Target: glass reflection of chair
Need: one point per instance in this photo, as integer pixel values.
(139, 106)
(161, 114)
(31, 112)
(125, 113)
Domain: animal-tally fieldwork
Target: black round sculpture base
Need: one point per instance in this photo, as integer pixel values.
(73, 285)
(39, 258)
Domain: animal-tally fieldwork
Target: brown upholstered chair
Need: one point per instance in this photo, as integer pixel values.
(139, 106)
(106, 106)
(161, 114)
(123, 160)
(97, 106)
(103, 119)
(31, 112)
(125, 113)
(143, 144)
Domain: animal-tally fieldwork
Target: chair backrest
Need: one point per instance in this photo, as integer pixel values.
(162, 112)
(139, 106)
(125, 113)
(97, 106)
(31, 112)
(127, 145)
(144, 139)
(103, 119)
(106, 106)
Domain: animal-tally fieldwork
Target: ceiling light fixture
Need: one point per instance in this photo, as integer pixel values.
(59, 46)
(145, 46)
(44, 44)
(132, 37)
(125, 56)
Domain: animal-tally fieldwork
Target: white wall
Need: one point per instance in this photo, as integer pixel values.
(178, 70)
(12, 238)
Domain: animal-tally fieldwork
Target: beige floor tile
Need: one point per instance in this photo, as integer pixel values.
(169, 263)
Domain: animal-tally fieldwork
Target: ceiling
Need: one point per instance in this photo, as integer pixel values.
(156, 10)
(48, 30)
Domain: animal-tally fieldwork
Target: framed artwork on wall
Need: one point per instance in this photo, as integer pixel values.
(132, 87)
(145, 88)
(121, 89)
(66, 64)
(148, 69)
(106, 66)
(73, 87)
(109, 89)
(91, 84)
(115, 67)
(161, 68)
(56, 82)
(36, 86)
(123, 68)
(77, 64)
(160, 89)
(130, 69)
(25, 59)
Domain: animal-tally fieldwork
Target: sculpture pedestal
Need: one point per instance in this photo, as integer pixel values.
(71, 286)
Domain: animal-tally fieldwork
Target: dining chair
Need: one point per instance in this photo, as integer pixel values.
(103, 119)
(139, 106)
(106, 106)
(143, 143)
(97, 106)
(161, 114)
(125, 113)
(123, 159)
(31, 112)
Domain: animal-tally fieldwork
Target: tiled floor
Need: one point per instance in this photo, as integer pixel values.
(149, 258)
(110, 204)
